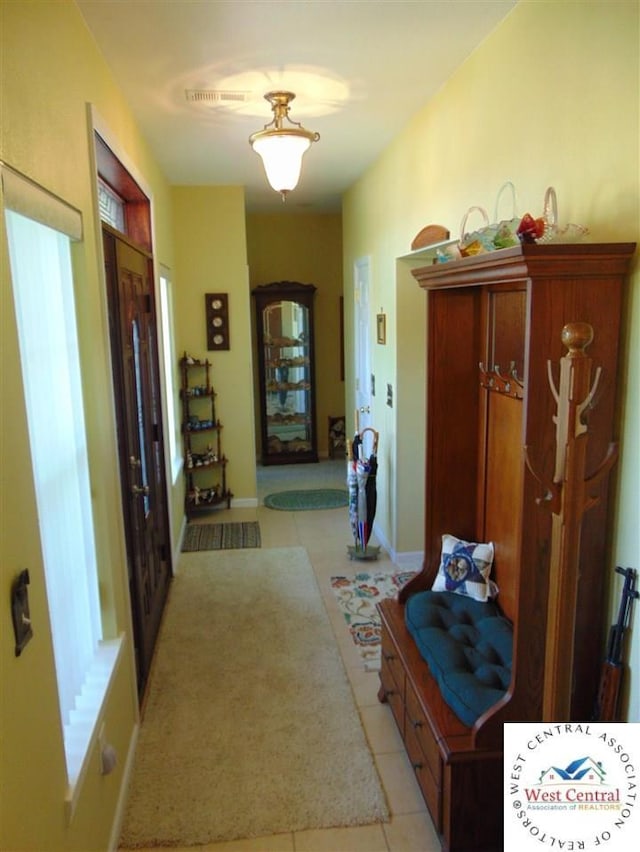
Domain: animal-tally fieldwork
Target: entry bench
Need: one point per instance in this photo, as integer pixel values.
(460, 782)
(454, 671)
(468, 645)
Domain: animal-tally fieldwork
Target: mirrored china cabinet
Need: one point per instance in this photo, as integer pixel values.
(284, 317)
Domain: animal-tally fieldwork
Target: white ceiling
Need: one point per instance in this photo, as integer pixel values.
(360, 69)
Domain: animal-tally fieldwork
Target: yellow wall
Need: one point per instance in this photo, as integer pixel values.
(50, 70)
(210, 250)
(305, 248)
(550, 98)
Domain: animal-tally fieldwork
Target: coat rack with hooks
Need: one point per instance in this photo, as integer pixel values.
(569, 496)
(495, 379)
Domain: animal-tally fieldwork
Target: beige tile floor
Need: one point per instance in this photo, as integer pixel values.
(325, 535)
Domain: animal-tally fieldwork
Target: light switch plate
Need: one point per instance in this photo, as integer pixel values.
(20, 611)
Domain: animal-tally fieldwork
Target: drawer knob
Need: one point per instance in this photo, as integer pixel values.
(389, 692)
(417, 723)
(417, 766)
(389, 657)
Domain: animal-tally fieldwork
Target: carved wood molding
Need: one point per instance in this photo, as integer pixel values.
(569, 497)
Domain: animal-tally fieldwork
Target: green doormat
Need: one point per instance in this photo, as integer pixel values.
(221, 536)
(301, 501)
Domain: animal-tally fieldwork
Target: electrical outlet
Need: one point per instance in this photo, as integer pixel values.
(108, 757)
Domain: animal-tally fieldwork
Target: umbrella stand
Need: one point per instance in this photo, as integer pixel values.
(361, 481)
(371, 552)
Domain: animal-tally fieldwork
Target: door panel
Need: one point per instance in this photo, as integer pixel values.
(144, 498)
(362, 343)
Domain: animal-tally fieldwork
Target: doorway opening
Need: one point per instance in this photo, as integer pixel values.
(364, 379)
(135, 360)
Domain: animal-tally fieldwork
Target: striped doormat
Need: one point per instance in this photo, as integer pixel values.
(229, 536)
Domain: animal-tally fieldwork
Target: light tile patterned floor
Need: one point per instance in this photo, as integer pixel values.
(326, 535)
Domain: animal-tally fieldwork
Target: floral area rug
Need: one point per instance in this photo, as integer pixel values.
(357, 598)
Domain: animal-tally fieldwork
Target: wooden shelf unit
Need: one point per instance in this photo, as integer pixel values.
(205, 465)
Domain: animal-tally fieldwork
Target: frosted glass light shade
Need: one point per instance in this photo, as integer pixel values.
(281, 146)
(282, 158)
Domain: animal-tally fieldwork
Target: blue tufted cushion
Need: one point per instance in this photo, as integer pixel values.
(468, 646)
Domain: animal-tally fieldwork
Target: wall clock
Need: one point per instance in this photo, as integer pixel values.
(217, 316)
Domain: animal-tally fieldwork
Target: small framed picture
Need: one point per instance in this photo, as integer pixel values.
(381, 327)
(217, 314)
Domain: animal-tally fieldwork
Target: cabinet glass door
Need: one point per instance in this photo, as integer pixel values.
(285, 340)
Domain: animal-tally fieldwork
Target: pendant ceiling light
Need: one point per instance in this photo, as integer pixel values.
(282, 146)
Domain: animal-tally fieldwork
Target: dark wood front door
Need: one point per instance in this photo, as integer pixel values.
(134, 348)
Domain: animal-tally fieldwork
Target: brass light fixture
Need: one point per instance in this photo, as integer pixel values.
(282, 146)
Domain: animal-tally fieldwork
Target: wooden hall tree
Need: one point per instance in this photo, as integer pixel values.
(494, 336)
(505, 311)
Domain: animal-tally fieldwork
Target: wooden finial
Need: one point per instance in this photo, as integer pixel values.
(576, 336)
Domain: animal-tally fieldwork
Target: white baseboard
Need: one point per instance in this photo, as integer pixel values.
(410, 558)
(244, 502)
(178, 550)
(400, 558)
(116, 829)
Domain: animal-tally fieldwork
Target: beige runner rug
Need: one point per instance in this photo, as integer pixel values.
(250, 727)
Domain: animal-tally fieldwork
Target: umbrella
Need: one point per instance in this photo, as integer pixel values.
(371, 490)
(352, 484)
(361, 480)
(368, 491)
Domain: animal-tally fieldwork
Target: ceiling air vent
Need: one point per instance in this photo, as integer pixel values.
(216, 96)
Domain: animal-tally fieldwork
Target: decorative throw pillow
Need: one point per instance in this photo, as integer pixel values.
(465, 568)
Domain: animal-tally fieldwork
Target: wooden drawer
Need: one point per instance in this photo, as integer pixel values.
(416, 720)
(428, 784)
(389, 657)
(393, 694)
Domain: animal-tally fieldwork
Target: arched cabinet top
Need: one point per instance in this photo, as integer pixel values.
(286, 371)
(293, 291)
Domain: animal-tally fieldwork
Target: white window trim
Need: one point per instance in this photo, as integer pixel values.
(24, 196)
(82, 736)
(168, 366)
